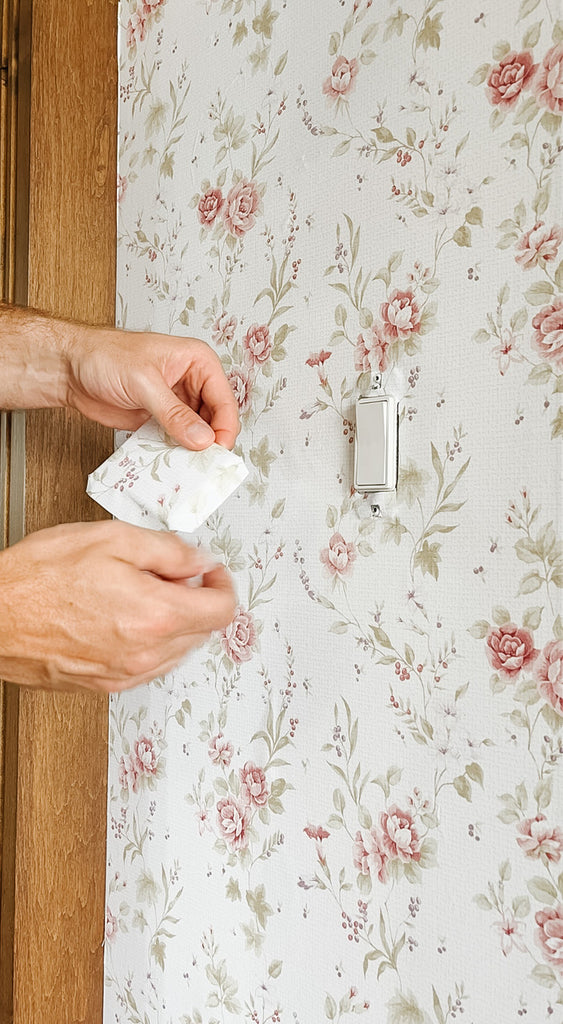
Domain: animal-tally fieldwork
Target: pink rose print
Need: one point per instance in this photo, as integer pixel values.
(318, 358)
(223, 330)
(548, 673)
(220, 750)
(136, 27)
(338, 556)
(510, 933)
(151, 5)
(539, 243)
(548, 326)
(316, 832)
(129, 771)
(400, 838)
(146, 755)
(341, 79)
(540, 840)
(202, 820)
(240, 207)
(548, 83)
(241, 383)
(371, 351)
(507, 79)
(510, 649)
(369, 854)
(111, 925)
(257, 344)
(254, 789)
(122, 184)
(401, 315)
(549, 935)
(233, 822)
(239, 637)
(209, 206)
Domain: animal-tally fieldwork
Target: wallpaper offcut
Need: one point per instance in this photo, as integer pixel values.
(350, 801)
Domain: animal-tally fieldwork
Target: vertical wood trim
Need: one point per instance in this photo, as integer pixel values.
(61, 811)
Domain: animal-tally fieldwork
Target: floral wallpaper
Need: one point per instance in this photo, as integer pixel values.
(350, 802)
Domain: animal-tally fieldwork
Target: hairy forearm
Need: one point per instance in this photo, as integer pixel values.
(34, 358)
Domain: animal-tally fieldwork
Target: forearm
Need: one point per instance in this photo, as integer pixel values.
(34, 358)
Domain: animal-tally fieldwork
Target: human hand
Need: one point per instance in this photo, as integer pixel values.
(118, 378)
(104, 606)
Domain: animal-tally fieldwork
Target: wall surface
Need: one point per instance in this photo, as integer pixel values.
(351, 800)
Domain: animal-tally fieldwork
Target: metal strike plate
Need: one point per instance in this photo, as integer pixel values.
(376, 446)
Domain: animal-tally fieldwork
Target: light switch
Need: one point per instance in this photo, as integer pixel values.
(375, 463)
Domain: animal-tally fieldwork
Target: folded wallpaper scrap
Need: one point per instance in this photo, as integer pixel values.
(151, 481)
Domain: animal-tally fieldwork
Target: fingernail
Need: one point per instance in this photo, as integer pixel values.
(206, 561)
(200, 433)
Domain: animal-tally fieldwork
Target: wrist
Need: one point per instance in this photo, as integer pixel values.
(35, 359)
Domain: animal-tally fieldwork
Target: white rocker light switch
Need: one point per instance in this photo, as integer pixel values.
(375, 462)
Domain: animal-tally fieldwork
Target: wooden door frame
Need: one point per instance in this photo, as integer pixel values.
(54, 821)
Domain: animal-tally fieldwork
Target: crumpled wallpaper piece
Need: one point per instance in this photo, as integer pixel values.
(151, 481)
(350, 802)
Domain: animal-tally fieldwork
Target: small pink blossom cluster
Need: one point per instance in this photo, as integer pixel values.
(400, 319)
(237, 210)
(140, 19)
(510, 649)
(234, 813)
(141, 763)
(396, 838)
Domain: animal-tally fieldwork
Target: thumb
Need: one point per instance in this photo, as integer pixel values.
(182, 423)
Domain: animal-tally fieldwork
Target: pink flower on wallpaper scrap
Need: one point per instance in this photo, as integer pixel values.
(150, 6)
(371, 349)
(223, 330)
(147, 755)
(209, 206)
(548, 326)
(136, 27)
(257, 344)
(400, 315)
(129, 772)
(318, 358)
(341, 79)
(122, 184)
(254, 789)
(540, 839)
(507, 79)
(111, 926)
(369, 855)
(540, 243)
(338, 556)
(510, 933)
(220, 750)
(506, 351)
(233, 820)
(241, 383)
(316, 832)
(510, 648)
(239, 637)
(548, 83)
(400, 837)
(548, 673)
(240, 208)
(549, 935)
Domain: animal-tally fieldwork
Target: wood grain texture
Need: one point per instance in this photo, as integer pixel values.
(61, 820)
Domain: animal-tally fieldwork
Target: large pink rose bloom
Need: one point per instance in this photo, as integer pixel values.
(239, 637)
(539, 243)
(548, 337)
(548, 83)
(209, 206)
(401, 315)
(257, 344)
(220, 750)
(400, 838)
(254, 789)
(510, 648)
(241, 383)
(136, 27)
(341, 79)
(549, 935)
(223, 330)
(233, 820)
(548, 672)
(240, 208)
(507, 79)
(371, 349)
(540, 839)
(369, 854)
(338, 556)
(147, 755)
